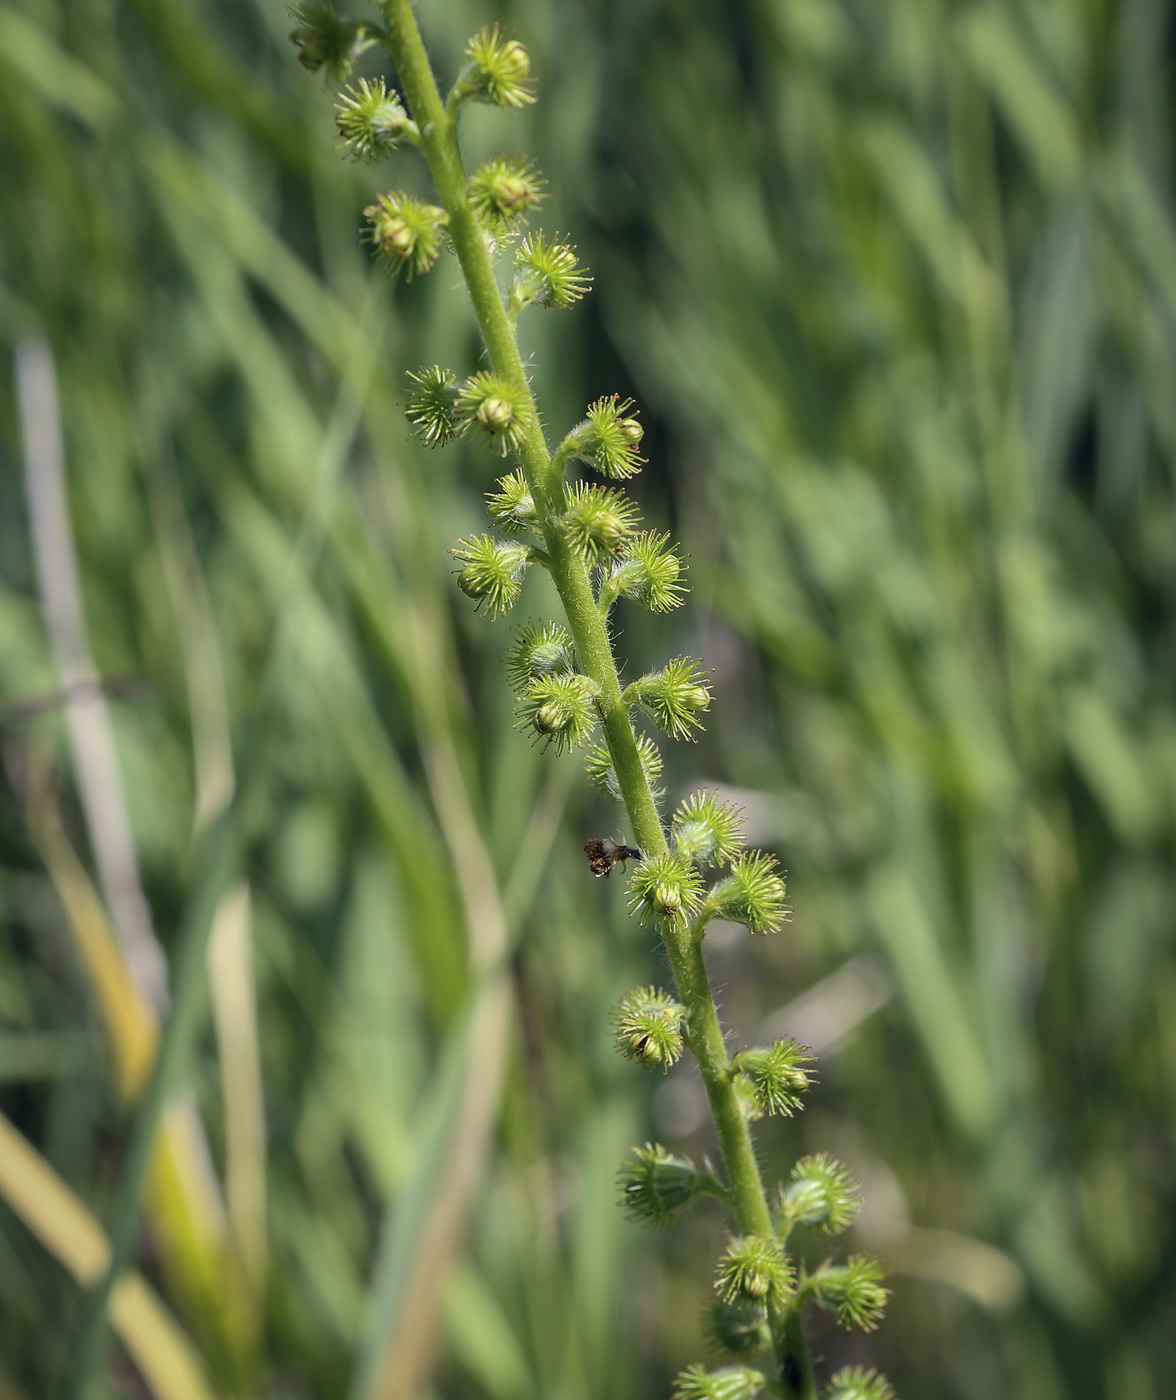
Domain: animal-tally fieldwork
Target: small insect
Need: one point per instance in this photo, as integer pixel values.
(603, 853)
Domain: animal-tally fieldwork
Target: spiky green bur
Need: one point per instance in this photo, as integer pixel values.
(495, 407)
(546, 274)
(560, 709)
(858, 1383)
(854, 1290)
(731, 1383)
(662, 888)
(753, 893)
(821, 1193)
(755, 1272)
(604, 776)
(432, 407)
(673, 697)
(597, 520)
(372, 121)
(405, 231)
(647, 1027)
(497, 71)
(655, 1186)
(492, 572)
(776, 1075)
(608, 438)
(649, 571)
(504, 190)
(707, 831)
(736, 1329)
(512, 506)
(538, 650)
(324, 39)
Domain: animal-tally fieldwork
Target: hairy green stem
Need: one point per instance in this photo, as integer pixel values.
(797, 1379)
(588, 625)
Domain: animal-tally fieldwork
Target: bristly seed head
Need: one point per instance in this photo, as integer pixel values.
(497, 71)
(371, 120)
(406, 231)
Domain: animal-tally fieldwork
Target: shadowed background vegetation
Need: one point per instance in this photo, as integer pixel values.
(894, 284)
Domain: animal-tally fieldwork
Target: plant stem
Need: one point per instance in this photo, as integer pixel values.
(589, 628)
(796, 1367)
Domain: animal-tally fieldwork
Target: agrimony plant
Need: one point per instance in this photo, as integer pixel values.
(693, 869)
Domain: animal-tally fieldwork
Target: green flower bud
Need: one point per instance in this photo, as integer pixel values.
(607, 440)
(504, 190)
(432, 409)
(856, 1383)
(406, 231)
(755, 1271)
(731, 1383)
(604, 777)
(492, 573)
(776, 1075)
(497, 407)
(325, 39)
(854, 1290)
(539, 649)
(497, 71)
(512, 507)
(647, 1027)
(649, 572)
(561, 709)
(821, 1193)
(707, 831)
(597, 521)
(372, 121)
(546, 274)
(753, 893)
(673, 697)
(663, 888)
(736, 1328)
(655, 1186)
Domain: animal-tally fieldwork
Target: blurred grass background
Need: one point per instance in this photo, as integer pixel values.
(895, 286)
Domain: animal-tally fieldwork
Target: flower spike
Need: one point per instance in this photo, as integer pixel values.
(406, 231)
(493, 571)
(372, 121)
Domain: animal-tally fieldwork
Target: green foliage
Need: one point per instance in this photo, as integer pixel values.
(647, 1027)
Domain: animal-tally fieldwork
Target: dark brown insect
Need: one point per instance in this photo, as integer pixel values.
(603, 853)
